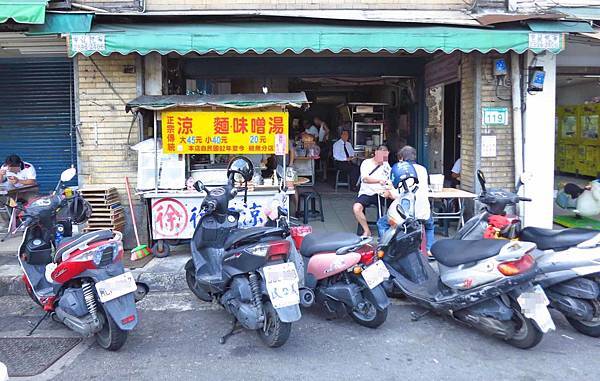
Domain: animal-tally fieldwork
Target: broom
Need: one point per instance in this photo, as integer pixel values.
(140, 251)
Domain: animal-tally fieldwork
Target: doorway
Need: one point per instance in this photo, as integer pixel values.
(452, 129)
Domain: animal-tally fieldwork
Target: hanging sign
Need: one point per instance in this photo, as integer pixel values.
(223, 132)
(95, 42)
(545, 40)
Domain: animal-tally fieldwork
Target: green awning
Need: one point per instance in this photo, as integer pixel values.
(279, 37)
(57, 23)
(23, 11)
(233, 101)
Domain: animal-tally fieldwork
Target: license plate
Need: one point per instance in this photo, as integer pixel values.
(282, 284)
(375, 274)
(115, 287)
(534, 306)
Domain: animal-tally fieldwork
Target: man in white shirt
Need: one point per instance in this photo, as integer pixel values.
(455, 173)
(343, 154)
(17, 173)
(374, 175)
(323, 135)
(324, 146)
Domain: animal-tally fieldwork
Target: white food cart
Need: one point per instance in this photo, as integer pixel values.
(208, 126)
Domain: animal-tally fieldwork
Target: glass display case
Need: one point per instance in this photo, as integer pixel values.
(367, 125)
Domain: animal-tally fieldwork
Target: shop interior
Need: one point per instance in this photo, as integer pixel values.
(379, 99)
(577, 154)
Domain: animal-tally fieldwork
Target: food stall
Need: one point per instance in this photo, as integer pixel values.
(193, 136)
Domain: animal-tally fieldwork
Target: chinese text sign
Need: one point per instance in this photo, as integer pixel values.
(223, 132)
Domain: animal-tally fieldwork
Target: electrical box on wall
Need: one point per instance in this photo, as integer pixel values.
(500, 67)
(537, 76)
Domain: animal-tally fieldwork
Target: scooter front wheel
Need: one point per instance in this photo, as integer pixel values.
(275, 332)
(527, 334)
(190, 278)
(588, 328)
(110, 337)
(367, 315)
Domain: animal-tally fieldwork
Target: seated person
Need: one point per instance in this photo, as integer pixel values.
(374, 174)
(17, 172)
(455, 173)
(422, 206)
(343, 154)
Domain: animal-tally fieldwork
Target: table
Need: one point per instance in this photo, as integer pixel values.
(7, 190)
(450, 193)
(305, 166)
(11, 193)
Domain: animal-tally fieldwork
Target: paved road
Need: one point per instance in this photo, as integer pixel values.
(177, 339)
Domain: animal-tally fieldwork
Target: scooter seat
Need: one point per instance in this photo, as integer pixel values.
(243, 236)
(453, 252)
(315, 243)
(69, 243)
(547, 239)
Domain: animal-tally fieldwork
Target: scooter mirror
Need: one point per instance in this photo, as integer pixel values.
(68, 175)
(199, 186)
(401, 211)
(282, 212)
(481, 178)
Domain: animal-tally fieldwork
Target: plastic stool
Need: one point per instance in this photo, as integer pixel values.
(339, 183)
(310, 199)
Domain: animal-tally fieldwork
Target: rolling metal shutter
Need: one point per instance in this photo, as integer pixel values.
(37, 115)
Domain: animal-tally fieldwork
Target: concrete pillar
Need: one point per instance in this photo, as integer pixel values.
(538, 146)
(153, 78)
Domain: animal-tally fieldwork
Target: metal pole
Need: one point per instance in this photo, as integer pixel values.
(477, 122)
(515, 77)
(155, 154)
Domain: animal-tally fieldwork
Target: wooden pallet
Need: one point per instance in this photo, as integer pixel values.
(107, 211)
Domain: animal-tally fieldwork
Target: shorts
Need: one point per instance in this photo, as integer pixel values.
(367, 200)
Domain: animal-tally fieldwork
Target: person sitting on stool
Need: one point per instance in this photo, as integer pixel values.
(343, 154)
(374, 174)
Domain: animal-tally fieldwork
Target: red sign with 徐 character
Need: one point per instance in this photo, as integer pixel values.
(224, 132)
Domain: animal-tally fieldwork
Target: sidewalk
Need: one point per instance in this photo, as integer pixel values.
(168, 274)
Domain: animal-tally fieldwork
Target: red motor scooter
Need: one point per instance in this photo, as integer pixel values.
(343, 273)
(80, 281)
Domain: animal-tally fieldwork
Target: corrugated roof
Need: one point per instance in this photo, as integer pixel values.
(233, 101)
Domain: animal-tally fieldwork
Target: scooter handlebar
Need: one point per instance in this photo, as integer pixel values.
(525, 199)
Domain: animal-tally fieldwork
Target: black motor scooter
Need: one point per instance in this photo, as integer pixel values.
(485, 284)
(246, 270)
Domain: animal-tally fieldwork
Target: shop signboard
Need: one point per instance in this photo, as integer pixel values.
(224, 132)
(177, 217)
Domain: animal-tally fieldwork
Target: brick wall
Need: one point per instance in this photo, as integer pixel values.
(467, 111)
(105, 157)
(499, 170)
(183, 5)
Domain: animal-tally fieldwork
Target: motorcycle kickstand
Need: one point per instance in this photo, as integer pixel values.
(38, 323)
(416, 316)
(230, 333)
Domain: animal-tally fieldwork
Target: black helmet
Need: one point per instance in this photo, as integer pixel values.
(240, 168)
(79, 209)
